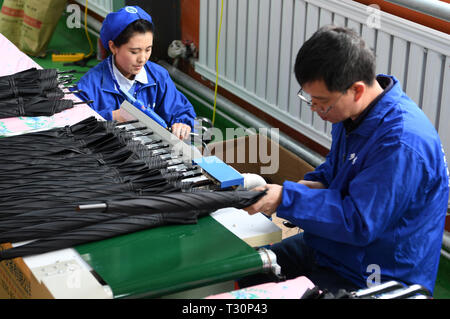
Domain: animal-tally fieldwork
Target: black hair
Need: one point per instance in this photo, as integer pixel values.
(336, 55)
(137, 26)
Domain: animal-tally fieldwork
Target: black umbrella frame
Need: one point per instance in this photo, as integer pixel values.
(91, 181)
(33, 93)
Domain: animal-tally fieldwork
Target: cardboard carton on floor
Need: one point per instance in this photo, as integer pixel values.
(17, 280)
(59, 274)
(258, 154)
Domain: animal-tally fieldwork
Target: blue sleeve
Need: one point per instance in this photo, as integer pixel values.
(324, 172)
(387, 183)
(88, 92)
(173, 106)
(81, 94)
(91, 86)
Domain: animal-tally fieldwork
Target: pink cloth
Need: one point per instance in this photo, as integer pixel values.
(13, 60)
(289, 289)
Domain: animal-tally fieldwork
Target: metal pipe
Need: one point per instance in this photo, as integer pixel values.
(434, 8)
(94, 26)
(237, 113)
(269, 260)
(445, 254)
(446, 241)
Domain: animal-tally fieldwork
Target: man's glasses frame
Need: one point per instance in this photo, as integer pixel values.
(309, 102)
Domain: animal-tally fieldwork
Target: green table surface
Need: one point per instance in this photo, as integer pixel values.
(169, 259)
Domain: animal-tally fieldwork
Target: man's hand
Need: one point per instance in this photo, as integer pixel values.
(181, 130)
(268, 203)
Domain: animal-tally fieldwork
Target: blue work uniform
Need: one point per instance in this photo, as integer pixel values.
(159, 93)
(386, 196)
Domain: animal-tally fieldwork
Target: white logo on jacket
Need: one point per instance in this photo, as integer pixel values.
(353, 158)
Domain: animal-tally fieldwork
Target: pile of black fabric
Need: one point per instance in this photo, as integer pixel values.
(386, 290)
(34, 92)
(47, 179)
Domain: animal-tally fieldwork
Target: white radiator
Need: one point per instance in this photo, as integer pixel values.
(260, 40)
(101, 7)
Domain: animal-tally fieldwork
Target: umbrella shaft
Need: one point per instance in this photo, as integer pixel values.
(83, 102)
(92, 206)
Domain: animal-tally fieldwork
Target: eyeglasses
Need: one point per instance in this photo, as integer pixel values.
(305, 97)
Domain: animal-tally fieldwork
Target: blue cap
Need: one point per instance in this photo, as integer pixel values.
(116, 22)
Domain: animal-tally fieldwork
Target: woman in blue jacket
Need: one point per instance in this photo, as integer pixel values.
(128, 34)
(374, 211)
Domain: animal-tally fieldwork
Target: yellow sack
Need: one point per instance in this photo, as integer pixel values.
(11, 18)
(40, 18)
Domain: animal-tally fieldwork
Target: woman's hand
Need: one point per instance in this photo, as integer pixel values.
(181, 130)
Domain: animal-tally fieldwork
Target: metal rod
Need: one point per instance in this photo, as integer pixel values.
(405, 293)
(152, 142)
(127, 122)
(144, 134)
(435, 8)
(72, 92)
(378, 289)
(446, 241)
(92, 206)
(83, 102)
(65, 71)
(137, 129)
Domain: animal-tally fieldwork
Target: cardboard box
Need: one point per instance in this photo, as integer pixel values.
(18, 282)
(258, 154)
(60, 274)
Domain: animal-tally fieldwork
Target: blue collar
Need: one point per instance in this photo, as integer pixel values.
(108, 79)
(387, 83)
(378, 111)
(109, 83)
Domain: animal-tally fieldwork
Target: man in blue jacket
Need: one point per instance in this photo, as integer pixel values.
(374, 211)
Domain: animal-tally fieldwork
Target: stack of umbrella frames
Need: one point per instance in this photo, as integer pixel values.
(35, 92)
(91, 181)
